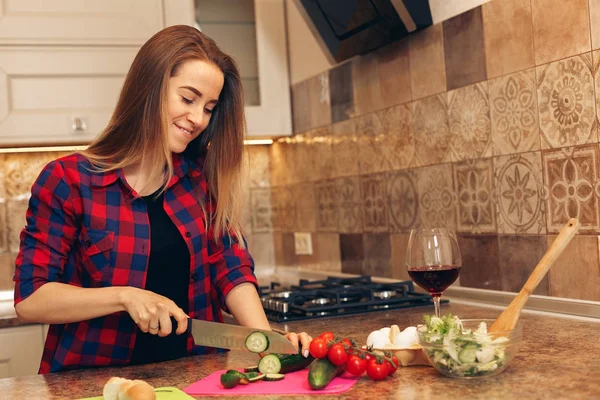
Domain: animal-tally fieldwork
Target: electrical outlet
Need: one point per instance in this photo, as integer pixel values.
(303, 243)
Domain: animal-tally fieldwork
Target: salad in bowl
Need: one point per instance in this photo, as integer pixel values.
(464, 348)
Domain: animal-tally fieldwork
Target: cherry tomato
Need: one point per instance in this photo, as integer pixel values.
(392, 367)
(337, 355)
(369, 357)
(356, 365)
(318, 348)
(327, 336)
(376, 371)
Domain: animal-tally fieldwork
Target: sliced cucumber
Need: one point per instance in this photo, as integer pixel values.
(257, 342)
(468, 355)
(274, 377)
(269, 364)
(253, 368)
(256, 378)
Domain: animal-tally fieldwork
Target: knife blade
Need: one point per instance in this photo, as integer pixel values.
(233, 337)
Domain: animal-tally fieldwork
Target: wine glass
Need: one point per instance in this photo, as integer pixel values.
(433, 260)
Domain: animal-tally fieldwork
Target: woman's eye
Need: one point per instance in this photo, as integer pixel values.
(206, 110)
(186, 100)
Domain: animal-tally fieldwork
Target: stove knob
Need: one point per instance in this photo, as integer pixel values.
(285, 307)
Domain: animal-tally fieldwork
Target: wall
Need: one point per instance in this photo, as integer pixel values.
(486, 123)
(19, 170)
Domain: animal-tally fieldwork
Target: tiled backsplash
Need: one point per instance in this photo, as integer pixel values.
(487, 123)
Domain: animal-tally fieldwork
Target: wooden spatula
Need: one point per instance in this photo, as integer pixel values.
(509, 317)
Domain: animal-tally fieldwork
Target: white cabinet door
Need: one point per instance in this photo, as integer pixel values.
(106, 22)
(20, 350)
(54, 95)
(271, 114)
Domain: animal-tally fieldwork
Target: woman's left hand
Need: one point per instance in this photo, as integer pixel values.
(302, 338)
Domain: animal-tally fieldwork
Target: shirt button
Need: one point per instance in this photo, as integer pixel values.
(188, 234)
(194, 277)
(88, 243)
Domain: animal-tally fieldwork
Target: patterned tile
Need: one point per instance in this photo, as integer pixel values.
(464, 49)
(575, 274)
(596, 59)
(519, 194)
(350, 205)
(22, 169)
(322, 153)
(7, 270)
(318, 95)
(397, 145)
(246, 209)
(399, 245)
(514, 113)
(284, 209)
(374, 205)
(345, 148)
(377, 255)
(261, 210)
(369, 130)
(282, 157)
(3, 226)
(560, 29)
(259, 166)
(402, 201)
(367, 87)
(436, 197)
(394, 72)
(352, 253)
(570, 177)
(285, 254)
(431, 130)
(566, 102)
(16, 210)
(262, 248)
(301, 107)
(341, 91)
(479, 262)
(326, 193)
(304, 159)
(474, 185)
(517, 257)
(306, 207)
(469, 119)
(508, 46)
(426, 58)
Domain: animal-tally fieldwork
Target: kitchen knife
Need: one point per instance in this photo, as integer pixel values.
(225, 336)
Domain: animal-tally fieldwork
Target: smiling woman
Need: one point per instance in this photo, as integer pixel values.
(128, 239)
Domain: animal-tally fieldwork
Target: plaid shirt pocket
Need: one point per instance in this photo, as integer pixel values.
(97, 253)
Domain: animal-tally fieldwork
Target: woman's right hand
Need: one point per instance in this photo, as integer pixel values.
(152, 312)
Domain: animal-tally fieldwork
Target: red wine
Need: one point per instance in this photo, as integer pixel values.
(434, 279)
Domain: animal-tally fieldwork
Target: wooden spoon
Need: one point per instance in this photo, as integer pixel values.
(509, 317)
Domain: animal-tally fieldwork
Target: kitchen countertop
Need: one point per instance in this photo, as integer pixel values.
(546, 366)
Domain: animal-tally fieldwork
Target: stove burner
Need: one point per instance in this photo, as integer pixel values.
(338, 296)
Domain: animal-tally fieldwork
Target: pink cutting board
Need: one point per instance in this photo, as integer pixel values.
(293, 383)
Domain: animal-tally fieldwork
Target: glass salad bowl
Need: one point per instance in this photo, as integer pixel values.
(463, 349)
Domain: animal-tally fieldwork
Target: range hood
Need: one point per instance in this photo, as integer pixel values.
(345, 28)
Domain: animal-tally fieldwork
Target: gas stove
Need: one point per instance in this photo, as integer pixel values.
(338, 296)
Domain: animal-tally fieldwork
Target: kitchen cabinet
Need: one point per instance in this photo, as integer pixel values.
(20, 350)
(89, 22)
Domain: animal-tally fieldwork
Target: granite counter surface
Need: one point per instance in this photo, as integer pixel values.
(548, 365)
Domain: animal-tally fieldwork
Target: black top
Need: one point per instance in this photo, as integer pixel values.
(168, 275)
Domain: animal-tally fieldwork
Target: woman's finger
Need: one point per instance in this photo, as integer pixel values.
(153, 324)
(165, 321)
(144, 321)
(305, 340)
(292, 337)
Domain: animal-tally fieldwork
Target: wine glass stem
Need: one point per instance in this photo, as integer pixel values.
(436, 304)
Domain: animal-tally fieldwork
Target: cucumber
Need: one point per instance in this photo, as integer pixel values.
(273, 377)
(468, 355)
(232, 378)
(257, 342)
(253, 368)
(322, 371)
(293, 362)
(256, 378)
(269, 364)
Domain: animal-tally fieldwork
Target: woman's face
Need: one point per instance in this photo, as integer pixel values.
(192, 95)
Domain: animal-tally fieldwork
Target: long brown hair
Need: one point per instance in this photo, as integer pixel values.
(134, 134)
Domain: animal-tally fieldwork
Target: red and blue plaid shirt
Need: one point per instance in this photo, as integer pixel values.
(88, 229)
